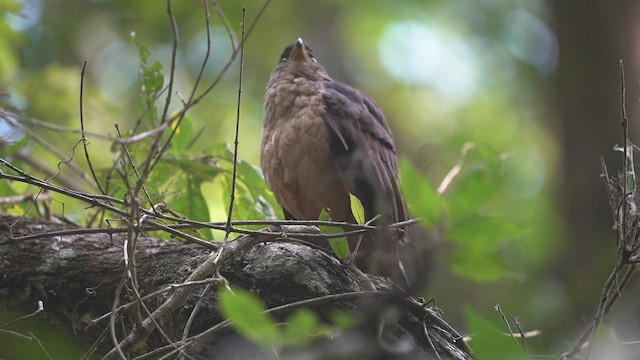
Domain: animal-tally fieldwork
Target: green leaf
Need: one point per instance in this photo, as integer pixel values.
(143, 51)
(478, 183)
(302, 328)
(489, 341)
(247, 316)
(477, 264)
(259, 202)
(480, 239)
(340, 246)
(357, 209)
(152, 79)
(183, 135)
(343, 319)
(484, 232)
(421, 196)
(176, 181)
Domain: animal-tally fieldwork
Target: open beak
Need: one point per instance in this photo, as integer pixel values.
(300, 52)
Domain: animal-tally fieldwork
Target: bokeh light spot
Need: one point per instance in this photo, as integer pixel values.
(418, 54)
(531, 41)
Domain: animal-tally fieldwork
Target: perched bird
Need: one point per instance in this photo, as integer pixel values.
(322, 140)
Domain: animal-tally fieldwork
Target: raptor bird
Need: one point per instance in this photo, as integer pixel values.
(322, 140)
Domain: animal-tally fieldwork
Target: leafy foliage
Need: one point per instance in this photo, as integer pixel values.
(248, 317)
(152, 77)
(340, 246)
(489, 341)
(357, 209)
(478, 235)
(422, 198)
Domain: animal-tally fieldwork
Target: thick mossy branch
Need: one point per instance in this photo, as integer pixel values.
(76, 276)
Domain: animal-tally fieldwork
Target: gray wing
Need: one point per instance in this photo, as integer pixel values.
(364, 151)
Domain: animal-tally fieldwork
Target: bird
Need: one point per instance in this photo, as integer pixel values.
(323, 140)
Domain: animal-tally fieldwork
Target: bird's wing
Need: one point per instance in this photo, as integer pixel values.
(364, 151)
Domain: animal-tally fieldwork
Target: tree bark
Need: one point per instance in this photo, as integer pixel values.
(78, 277)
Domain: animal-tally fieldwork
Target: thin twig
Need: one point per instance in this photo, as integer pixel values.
(610, 292)
(38, 311)
(84, 137)
(40, 141)
(625, 139)
(205, 60)
(505, 321)
(455, 170)
(152, 295)
(133, 166)
(523, 336)
(237, 134)
(233, 40)
(212, 331)
(155, 154)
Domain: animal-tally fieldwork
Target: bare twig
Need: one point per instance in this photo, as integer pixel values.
(233, 40)
(455, 170)
(84, 137)
(36, 312)
(216, 329)
(237, 133)
(12, 120)
(626, 240)
(505, 321)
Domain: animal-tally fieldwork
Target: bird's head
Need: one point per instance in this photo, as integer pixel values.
(298, 59)
(298, 52)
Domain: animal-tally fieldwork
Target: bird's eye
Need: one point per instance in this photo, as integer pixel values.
(283, 59)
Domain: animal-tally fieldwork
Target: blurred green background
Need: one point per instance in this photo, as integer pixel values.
(534, 83)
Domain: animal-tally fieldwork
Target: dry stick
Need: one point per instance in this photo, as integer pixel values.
(112, 319)
(84, 138)
(621, 261)
(99, 201)
(130, 247)
(192, 224)
(232, 57)
(41, 191)
(607, 184)
(169, 306)
(192, 316)
(155, 154)
(38, 311)
(29, 337)
(196, 308)
(163, 333)
(40, 141)
(105, 137)
(433, 347)
(177, 299)
(516, 320)
(205, 60)
(625, 140)
(606, 299)
(133, 166)
(227, 26)
(37, 165)
(455, 170)
(506, 322)
(237, 135)
(150, 296)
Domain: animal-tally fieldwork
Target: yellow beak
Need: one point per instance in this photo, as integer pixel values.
(300, 52)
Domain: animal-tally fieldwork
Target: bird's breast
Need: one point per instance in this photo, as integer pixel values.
(296, 158)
